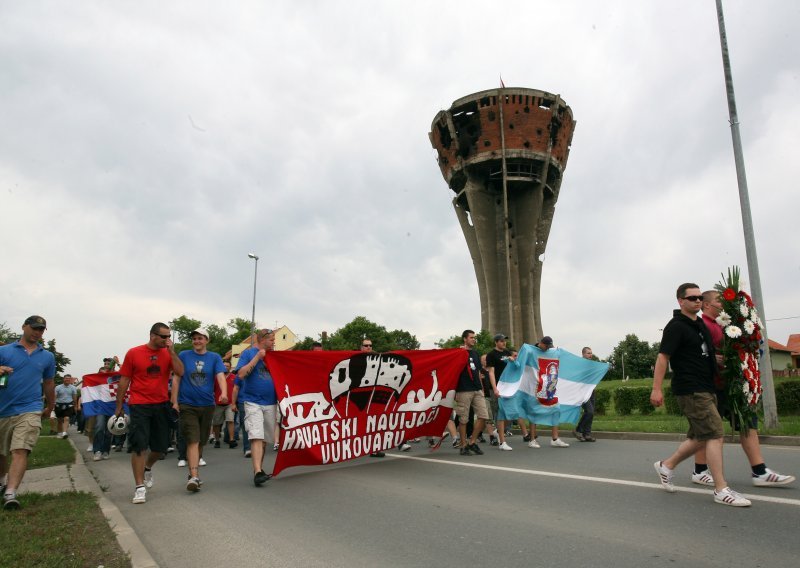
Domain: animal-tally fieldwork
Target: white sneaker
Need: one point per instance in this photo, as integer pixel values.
(181, 463)
(97, 456)
(703, 478)
(140, 495)
(90, 448)
(105, 455)
(203, 462)
(771, 479)
(505, 447)
(405, 446)
(665, 475)
(193, 484)
(559, 443)
(148, 478)
(730, 497)
(534, 444)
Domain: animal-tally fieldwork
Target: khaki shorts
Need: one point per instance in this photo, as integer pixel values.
(195, 423)
(20, 432)
(471, 399)
(700, 410)
(260, 420)
(222, 414)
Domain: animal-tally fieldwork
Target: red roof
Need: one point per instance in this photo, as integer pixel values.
(794, 343)
(777, 346)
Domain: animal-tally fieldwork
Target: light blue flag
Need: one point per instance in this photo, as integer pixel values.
(550, 391)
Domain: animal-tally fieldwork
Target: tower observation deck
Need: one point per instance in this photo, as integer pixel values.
(503, 153)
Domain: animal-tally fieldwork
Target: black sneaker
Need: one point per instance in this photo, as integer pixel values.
(216, 444)
(526, 438)
(10, 503)
(378, 455)
(509, 433)
(465, 451)
(232, 445)
(493, 441)
(260, 478)
(481, 439)
(475, 448)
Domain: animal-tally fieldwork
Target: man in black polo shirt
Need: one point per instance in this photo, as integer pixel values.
(686, 345)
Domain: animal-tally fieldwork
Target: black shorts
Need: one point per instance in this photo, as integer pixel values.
(149, 427)
(65, 409)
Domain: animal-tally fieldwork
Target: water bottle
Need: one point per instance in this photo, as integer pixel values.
(3, 380)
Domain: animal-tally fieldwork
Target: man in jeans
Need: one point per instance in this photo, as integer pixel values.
(583, 431)
(686, 345)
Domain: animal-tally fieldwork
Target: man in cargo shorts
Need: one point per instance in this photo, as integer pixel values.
(686, 345)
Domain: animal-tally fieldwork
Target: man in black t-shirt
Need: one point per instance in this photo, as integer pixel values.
(686, 345)
(469, 394)
(496, 361)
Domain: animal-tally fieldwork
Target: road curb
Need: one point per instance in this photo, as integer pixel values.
(83, 480)
(673, 437)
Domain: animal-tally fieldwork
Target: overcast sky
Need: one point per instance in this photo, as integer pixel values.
(147, 147)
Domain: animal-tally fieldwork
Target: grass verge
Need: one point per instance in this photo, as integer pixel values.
(60, 530)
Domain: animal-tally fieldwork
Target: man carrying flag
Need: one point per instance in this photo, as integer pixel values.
(547, 386)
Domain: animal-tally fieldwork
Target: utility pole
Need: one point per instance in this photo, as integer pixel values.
(765, 364)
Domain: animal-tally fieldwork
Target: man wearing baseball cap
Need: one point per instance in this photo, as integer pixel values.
(26, 369)
(193, 398)
(544, 344)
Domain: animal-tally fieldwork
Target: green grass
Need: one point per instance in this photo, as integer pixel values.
(50, 451)
(62, 530)
(660, 421)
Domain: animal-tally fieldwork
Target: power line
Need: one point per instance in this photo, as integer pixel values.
(779, 319)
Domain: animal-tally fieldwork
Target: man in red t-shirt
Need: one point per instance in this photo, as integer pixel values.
(146, 369)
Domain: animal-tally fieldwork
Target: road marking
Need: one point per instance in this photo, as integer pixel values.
(609, 480)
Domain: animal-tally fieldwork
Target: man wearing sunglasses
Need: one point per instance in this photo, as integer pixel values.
(686, 345)
(146, 370)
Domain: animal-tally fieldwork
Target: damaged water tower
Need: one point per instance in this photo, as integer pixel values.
(503, 153)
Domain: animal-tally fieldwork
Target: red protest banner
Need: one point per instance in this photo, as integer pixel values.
(340, 405)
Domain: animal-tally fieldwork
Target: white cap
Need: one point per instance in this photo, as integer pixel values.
(202, 331)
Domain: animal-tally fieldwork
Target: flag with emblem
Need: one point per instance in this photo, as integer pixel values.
(547, 387)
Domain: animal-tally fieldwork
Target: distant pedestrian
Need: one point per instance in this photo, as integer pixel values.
(66, 405)
(583, 431)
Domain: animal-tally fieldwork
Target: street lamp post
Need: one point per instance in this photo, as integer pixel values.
(254, 256)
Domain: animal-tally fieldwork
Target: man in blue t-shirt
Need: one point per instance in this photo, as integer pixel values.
(255, 387)
(193, 398)
(26, 369)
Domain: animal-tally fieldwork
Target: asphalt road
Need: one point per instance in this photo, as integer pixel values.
(588, 505)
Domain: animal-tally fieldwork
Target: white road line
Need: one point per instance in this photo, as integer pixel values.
(611, 481)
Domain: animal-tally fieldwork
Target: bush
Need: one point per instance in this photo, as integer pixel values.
(670, 402)
(787, 396)
(601, 400)
(628, 399)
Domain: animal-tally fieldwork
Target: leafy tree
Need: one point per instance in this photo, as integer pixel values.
(183, 326)
(484, 344)
(243, 327)
(639, 358)
(6, 335)
(61, 360)
(349, 336)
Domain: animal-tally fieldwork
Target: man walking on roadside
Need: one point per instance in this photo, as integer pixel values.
(583, 431)
(496, 361)
(545, 344)
(762, 475)
(146, 370)
(686, 345)
(256, 389)
(26, 369)
(469, 394)
(193, 398)
(66, 405)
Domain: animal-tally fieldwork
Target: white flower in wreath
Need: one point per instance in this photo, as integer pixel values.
(754, 315)
(723, 319)
(749, 327)
(733, 332)
(744, 310)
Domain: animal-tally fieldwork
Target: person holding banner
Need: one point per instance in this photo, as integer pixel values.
(255, 388)
(544, 344)
(469, 394)
(146, 370)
